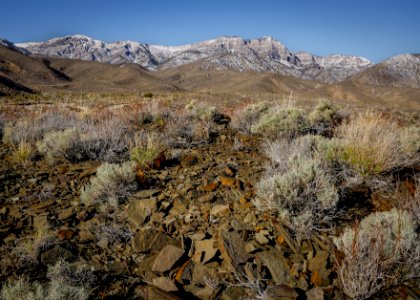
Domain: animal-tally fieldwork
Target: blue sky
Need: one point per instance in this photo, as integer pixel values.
(371, 28)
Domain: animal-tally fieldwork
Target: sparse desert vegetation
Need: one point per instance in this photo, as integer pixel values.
(178, 197)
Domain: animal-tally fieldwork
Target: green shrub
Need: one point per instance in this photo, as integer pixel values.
(410, 139)
(245, 119)
(200, 111)
(112, 184)
(324, 114)
(22, 289)
(54, 290)
(382, 250)
(148, 95)
(58, 290)
(298, 185)
(283, 120)
(143, 156)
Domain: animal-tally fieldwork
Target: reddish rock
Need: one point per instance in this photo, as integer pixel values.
(210, 187)
(66, 234)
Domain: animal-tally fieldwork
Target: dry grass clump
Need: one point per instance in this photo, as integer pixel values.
(147, 146)
(54, 290)
(112, 184)
(298, 185)
(372, 143)
(382, 250)
(22, 152)
(282, 120)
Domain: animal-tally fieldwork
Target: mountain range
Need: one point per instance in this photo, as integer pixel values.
(229, 65)
(225, 53)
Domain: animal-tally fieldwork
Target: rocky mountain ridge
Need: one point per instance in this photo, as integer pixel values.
(224, 53)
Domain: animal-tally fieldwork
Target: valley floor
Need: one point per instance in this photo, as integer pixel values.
(156, 199)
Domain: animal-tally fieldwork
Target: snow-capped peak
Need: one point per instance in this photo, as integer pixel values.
(225, 52)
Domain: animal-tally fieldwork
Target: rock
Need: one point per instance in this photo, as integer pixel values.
(66, 234)
(185, 273)
(145, 194)
(165, 284)
(281, 292)
(318, 266)
(220, 118)
(205, 250)
(250, 247)
(198, 236)
(40, 221)
(209, 187)
(54, 254)
(178, 208)
(201, 273)
(233, 293)
(232, 248)
(147, 240)
(200, 292)
(85, 236)
(167, 258)
(227, 181)
(66, 214)
(138, 210)
(159, 161)
(276, 264)
(154, 293)
(315, 294)
(141, 177)
(220, 210)
(230, 171)
(189, 161)
(261, 238)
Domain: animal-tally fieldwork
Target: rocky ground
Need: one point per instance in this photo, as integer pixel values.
(191, 231)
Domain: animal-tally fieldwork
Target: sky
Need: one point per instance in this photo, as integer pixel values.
(375, 29)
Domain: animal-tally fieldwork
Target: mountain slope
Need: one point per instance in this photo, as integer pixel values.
(225, 53)
(20, 72)
(400, 71)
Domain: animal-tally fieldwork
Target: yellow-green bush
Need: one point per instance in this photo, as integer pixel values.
(283, 120)
(143, 156)
(22, 152)
(372, 143)
(325, 113)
